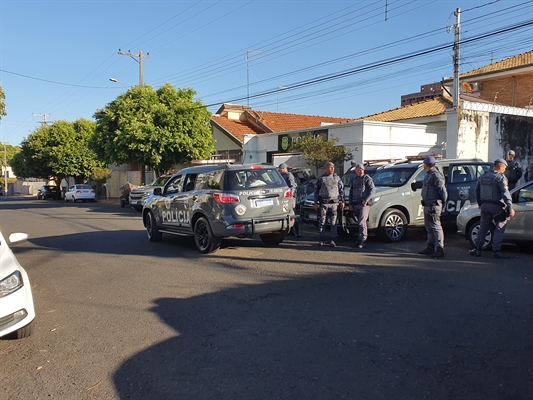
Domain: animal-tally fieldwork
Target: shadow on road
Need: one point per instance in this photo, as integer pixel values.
(373, 335)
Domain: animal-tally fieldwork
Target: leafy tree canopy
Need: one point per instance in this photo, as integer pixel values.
(319, 151)
(160, 129)
(2, 103)
(57, 151)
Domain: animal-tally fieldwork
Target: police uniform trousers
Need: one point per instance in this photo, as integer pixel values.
(489, 211)
(433, 226)
(296, 227)
(362, 212)
(325, 209)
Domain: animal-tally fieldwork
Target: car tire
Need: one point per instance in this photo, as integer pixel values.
(393, 225)
(66, 199)
(23, 332)
(204, 239)
(473, 229)
(154, 235)
(272, 239)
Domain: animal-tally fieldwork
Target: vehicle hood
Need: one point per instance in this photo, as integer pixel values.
(142, 189)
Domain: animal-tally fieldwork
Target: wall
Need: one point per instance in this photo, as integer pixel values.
(515, 91)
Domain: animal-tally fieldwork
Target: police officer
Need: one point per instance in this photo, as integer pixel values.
(513, 172)
(495, 203)
(361, 190)
(329, 195)
(434, 196)
(291, 183)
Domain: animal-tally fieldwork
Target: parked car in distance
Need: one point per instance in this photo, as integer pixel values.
(396, 203)
(80, 192)
(138, 195)
(49, 192)
(519, 229)
(214, 201)
(17, 312)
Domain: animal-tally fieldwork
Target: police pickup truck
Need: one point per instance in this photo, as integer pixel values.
(396, 203)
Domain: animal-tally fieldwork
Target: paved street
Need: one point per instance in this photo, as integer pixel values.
(119, 317)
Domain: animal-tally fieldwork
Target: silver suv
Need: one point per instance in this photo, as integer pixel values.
(138, 196)
(212, 202)
(397, 201)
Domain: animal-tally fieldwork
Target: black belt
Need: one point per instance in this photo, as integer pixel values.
(430, 203)
(329, 201)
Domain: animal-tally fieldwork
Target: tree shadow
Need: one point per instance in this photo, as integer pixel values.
(373, 335)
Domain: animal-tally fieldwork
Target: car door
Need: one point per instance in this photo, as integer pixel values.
(461, 181)
(520, 227)
(416, 209)
(169, 205)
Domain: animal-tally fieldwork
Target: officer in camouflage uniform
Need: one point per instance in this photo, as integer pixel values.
(495, 203)
(513, 171)
(361, 190)
(434, 196)
(329, 195)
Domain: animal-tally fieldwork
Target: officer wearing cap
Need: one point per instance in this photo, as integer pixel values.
(495, 203)
(291, 183)
(361, 190)
(513, 171)
(434, 196)
(329, 195)
(353, 163)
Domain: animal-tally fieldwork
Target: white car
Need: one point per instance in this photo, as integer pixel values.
(80, 192)
(519, 229)
(17, 313)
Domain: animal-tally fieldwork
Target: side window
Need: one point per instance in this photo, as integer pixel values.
(421, 176)
(174, 185)
(189, 183)
(526, 194)
(211, 180)
(481, 169)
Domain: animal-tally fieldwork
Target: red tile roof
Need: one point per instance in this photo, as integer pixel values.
(518, 61)
(236, 128)
(426, 108)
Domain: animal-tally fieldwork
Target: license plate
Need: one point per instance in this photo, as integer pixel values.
(312, 216)
(264, 203)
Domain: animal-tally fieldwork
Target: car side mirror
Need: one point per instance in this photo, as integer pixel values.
(158, 191)
(416, 185)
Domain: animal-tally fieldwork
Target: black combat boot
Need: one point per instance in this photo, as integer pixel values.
(499, 254)
(427, 251)
(439, 253)
(475, 252)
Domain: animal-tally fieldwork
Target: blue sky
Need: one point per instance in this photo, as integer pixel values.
(323, 57)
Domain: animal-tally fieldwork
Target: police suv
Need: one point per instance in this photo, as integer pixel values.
(214, 201)
(396, 204)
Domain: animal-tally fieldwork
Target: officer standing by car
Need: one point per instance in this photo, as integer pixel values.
(494, 201)
(361, 190)
(434, 196)
(291, 183)
(513, 172)
(329, 195)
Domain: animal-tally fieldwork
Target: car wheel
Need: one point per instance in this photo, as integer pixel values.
(473, 230)
(393, 225)
(272, 239)
(23, 332)
(349, 231)
(151, 228)
(205, 241)
(66, 199)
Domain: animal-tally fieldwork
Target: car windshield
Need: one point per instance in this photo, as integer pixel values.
(260, 178)
(393, 177)
(160, 181)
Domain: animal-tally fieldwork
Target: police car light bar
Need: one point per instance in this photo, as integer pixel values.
(423, 156)
(217, 161)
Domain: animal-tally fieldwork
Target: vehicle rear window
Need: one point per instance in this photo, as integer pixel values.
(393, 177)
(260, 178)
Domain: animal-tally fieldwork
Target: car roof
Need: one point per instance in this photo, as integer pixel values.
(216, 167)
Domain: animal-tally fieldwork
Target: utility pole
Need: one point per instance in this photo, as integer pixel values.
(5, 170)
(45, 122)
(140, 61)
(456, 57)
(248, 53)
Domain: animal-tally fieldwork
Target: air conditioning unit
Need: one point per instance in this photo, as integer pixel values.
(473, 87)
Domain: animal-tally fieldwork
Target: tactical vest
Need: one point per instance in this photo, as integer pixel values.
(429, 189)
(330, 187)
(358, 188)
(488, 185)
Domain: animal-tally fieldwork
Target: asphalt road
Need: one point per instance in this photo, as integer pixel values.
(119, 317)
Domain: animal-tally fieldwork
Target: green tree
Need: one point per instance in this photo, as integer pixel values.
(318, 151)
(58, 151)
(159, 129)
(2, 103)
